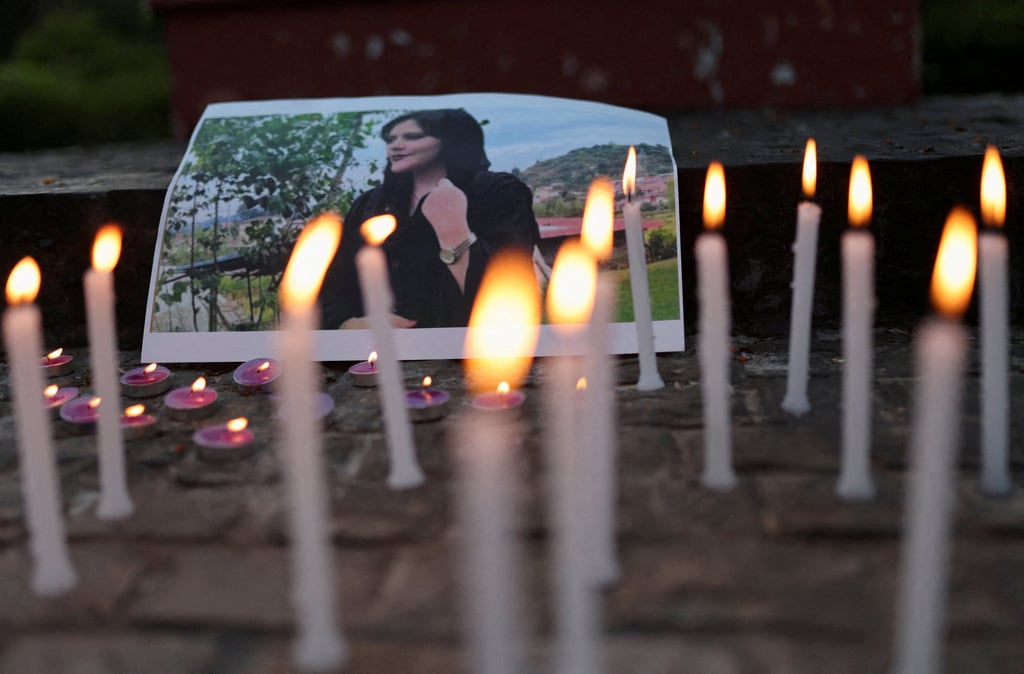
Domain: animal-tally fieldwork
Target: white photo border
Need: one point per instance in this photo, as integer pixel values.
(416, 343)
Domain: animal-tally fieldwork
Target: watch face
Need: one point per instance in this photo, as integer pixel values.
(447, 256)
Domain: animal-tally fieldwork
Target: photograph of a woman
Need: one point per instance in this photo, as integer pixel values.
(452, 214)
(464, 176)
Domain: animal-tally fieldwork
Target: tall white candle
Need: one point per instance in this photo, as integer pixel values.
(500, 343)
(858, 264)
(598, 443)
(371, 263)
(98, 282)
(995, 366)
(713, 327)
(805, 251)
(650, 379)
(597, 430)
(40, 488)
(570, 303)
(940, 359)
(319, 645)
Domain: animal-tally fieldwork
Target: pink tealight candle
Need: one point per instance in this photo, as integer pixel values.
(224, 442)
(427, 404)
(136, 424)
(57, 363)
(145, 382)
(191, 402)
(365, 373)
(501, 400)
(323, 405)
(56, 397)
(257, 375)
(82, 413)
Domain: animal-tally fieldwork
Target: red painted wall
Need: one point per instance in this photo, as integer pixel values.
(658, 55)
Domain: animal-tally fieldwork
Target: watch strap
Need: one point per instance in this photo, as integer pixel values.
(451, 255)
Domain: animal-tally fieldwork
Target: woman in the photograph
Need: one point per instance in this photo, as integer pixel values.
(452, 214)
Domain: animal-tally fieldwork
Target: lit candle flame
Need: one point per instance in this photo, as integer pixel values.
(106, 250)
(237, 425)
(427, 381)
(55, 354)
(993, 189)
(372, 358)
(377, 229)
(599, 219)
(199, 385)
(94, 402)
(810, 177)
(50, 391)
(955, 264)
(581, 384)
(714, 196)
(149, 369)
(314, 250)
(573, 285)
(629, 174)
(859, 212)
(502, 388)
(23, 282)
(134, 411)
(504, 324)
(263, 366)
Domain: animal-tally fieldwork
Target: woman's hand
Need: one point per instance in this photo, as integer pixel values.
(445, 208)
(363, 323)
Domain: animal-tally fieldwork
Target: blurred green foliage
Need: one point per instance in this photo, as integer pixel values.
(82, 73)
(972, 47)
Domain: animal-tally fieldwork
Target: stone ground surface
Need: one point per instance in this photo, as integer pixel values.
(777, 575)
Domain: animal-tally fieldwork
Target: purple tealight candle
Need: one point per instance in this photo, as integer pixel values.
(57, 363)
(502, 400)
(56, 397)
(224, 442)
(136, 424)
(257, 375)
(426, 404)
(323, 405)
(82, 413)
(191, 402)
(365, 373)
(146, 382)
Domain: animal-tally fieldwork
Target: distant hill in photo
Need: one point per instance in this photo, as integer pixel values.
(575, 169)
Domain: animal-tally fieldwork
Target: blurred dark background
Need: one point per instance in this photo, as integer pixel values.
(79, 72)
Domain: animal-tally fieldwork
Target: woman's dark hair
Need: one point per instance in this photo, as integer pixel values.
(462, 142)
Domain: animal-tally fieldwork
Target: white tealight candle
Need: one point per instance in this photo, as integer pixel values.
(995, 366)
(940, 358)
(570, 304)
(713, 329)
(805, 251)
(858, 260)
(319, 645)
(115, 503)
(500, 343)
(371, 264)
(649, 379)
(22, 329)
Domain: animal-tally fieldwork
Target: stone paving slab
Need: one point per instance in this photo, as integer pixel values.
(117, 653)
(777, 575)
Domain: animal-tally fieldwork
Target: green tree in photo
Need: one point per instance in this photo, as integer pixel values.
(247, 188)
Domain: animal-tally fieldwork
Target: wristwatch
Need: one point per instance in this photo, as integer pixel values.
(451, 255)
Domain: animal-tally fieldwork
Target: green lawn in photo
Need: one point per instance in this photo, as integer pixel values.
(663, 282)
